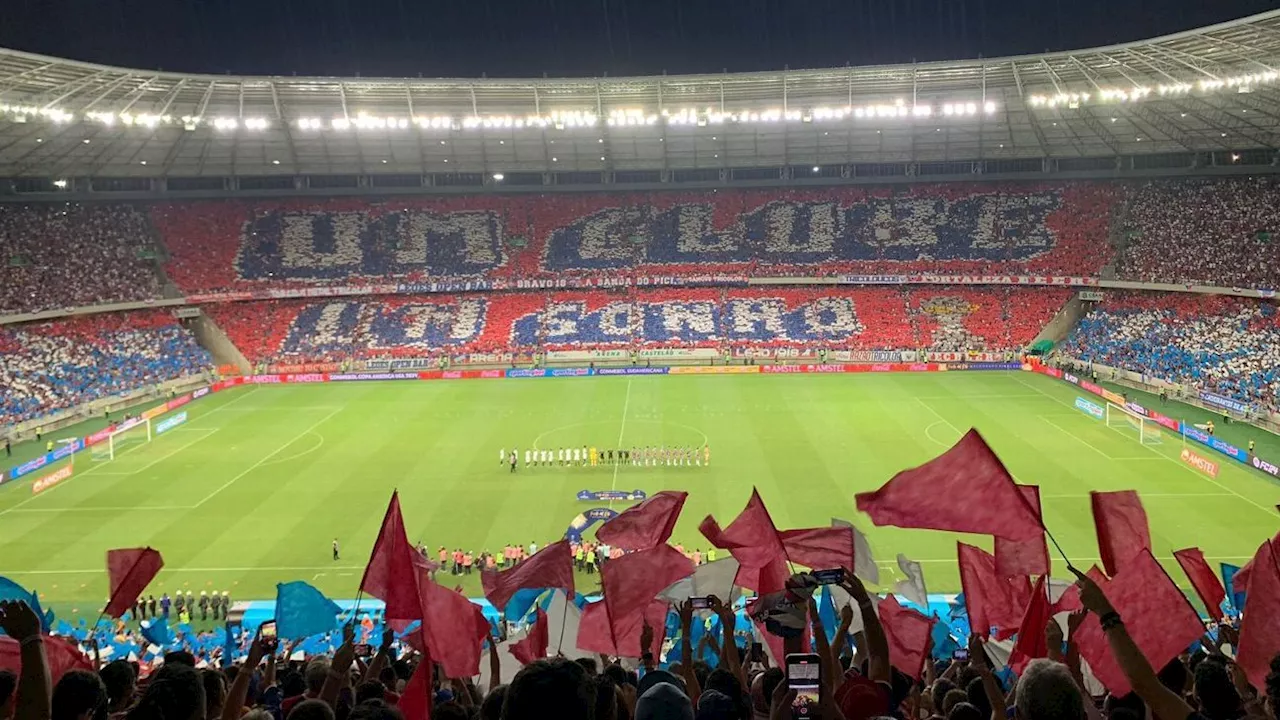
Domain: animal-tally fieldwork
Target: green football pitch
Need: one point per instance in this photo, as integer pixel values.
(255, 487)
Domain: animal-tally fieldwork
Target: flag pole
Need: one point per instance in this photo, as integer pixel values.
(1061, 552)
(564, 617)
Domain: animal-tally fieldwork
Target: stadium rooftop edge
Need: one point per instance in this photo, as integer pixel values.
(1213, 90)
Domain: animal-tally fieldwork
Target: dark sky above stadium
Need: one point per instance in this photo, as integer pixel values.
(468, 38)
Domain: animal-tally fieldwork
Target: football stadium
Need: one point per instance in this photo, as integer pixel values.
(948, 376)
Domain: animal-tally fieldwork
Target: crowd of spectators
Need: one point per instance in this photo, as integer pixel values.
(862, 675)
(955, 229)
(1210, 231)
(1226, 345)
(50, 366)
(874, 318)
(62, 255)
(1207, 232)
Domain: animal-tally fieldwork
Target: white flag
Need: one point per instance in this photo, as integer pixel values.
(715, 578)
(562, 627)
(864, 563)
(913, 587)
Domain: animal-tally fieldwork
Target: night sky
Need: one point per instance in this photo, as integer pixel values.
(524, 38)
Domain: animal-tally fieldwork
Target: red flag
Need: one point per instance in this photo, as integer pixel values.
(1203, 579)
(1157, 615)
(130, 571)
(1240, 581)
(632, 581)
(1122, 527)
(594, 634)
(965, 489)
(1032, 642)
(908, 633)
(61, 655)
(992, 601)
(753, 540)
(550, 567)
(1016, 558)
(1260, 628)
(593, 630)
(820, 548)
(455, 628)
(534, 645)
(391, 575)
(645, 525)
(415, 701)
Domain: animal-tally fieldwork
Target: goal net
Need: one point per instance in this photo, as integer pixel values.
(137, 433)
(1127, 421)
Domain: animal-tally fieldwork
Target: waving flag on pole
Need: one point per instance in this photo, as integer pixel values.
(550, 567)
(1260, 628)
(631, 582)
(130, 570)
(1023, 558)
(864, 563)
(1157, 615)
(391, 575)
(1203, 580)
(645, 525)
(303, 611)
(1032, 643)
(965, 489)
(913, 587)
(993, 601)
(1121, 523)
(753, 540)
(908, 633)
(534, 645)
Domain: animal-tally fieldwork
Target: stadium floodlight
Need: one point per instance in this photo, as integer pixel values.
(60, 184)
(498, 177)
(256, 123)
(225, 123)
(816, 168)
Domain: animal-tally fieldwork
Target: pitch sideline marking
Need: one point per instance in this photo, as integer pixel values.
(626, 403)
(263, 461)
(1160, 455)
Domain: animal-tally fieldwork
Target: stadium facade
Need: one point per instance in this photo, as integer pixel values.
(1205, 101)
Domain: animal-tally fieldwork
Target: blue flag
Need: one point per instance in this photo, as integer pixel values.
(157, 632)
(944, 645)
(827, 613)
(303, 611)
(10, 590)
(1229, 574)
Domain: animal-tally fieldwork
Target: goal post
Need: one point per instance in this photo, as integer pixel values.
(135, 432)
(1125, 420)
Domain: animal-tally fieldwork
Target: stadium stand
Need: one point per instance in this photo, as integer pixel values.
(66, 254)
(1210, 232)
(1229, 346)
(234, 245)
(57, 365)
(298, 331)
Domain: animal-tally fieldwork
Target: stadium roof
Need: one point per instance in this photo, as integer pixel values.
(1211, 89)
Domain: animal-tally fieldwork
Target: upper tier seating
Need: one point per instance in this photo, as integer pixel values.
(1210, 232)
(62, 255)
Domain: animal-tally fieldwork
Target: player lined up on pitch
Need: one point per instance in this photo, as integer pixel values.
(649, 456)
